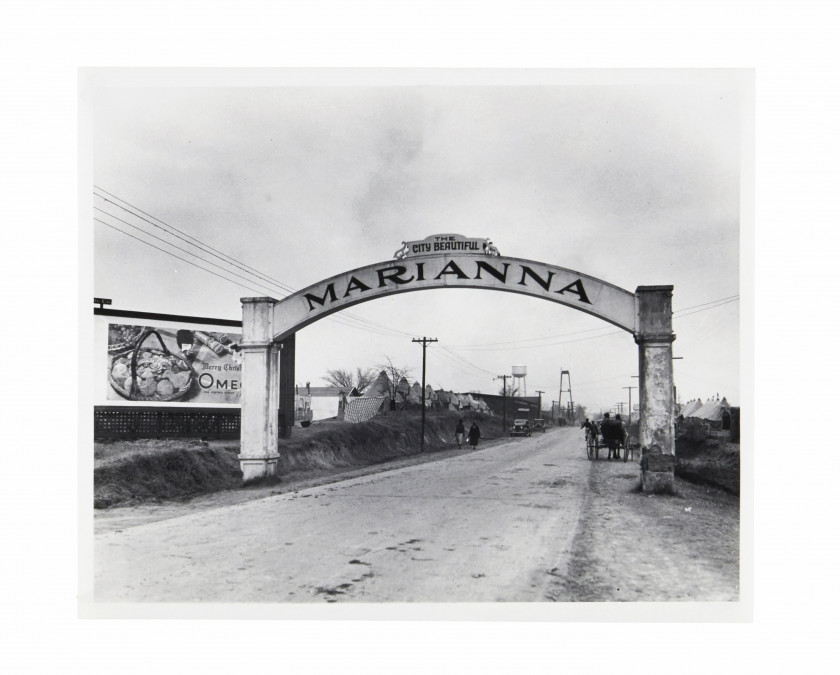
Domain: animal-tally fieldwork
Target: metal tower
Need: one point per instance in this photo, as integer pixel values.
(570, 415)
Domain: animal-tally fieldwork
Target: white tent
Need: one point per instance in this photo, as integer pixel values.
(381, 386)
(416, 394)
(691, 407)
(711, 411)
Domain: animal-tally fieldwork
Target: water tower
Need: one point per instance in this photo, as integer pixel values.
(519, 373)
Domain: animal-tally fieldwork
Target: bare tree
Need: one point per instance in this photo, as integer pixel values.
(346, 379)
(364, 378)
(509, 390)
(394, 374)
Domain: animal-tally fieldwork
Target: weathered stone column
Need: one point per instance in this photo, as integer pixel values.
(656, 387)
(260, 391)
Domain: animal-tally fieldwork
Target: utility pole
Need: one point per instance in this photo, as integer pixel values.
(425, 341)
(629, 404)
(539, 407)
(504, 378)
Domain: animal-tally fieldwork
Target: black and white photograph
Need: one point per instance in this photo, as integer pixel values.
(280, 420)
(443, 337)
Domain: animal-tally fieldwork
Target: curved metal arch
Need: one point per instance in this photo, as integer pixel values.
(499, 273)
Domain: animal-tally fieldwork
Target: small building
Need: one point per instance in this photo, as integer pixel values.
(326, 402)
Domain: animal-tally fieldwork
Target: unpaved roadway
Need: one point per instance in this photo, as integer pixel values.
(530, 519)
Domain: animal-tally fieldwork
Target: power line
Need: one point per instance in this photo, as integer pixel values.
(344, 320)
(223, 256)
(548, 344)
(189, 262)
(511, 342)
(208, 249)
(706, 309)
(149, 234)
(487, 346)
(448, 362)
(589, 383)
(460, 360)
(711, 302)
(703, 333)
(588, 330)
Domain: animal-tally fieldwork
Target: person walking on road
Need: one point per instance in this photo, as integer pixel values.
(475, 434)
(460, 433)
(591, 428)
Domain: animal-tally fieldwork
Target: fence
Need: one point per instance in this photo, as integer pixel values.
(163, 422)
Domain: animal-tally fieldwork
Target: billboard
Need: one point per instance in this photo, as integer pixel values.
(156, 364)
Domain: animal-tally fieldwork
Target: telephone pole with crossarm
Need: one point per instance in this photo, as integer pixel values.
(425, 342)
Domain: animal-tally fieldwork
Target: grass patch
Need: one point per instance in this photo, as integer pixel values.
(170, 474)
(709, 462)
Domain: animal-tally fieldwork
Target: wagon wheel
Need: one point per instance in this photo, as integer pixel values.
(624, 450)
(591, 448)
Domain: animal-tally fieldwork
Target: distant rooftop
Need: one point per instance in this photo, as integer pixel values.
(321, 391)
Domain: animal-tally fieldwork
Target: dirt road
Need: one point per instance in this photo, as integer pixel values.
(526, 520)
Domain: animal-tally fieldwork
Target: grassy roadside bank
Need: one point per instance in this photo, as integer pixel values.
(130, 473)
(135, 472)
(709, 462)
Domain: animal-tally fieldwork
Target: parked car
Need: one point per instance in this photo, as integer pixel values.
(538, 424)
(520, 428)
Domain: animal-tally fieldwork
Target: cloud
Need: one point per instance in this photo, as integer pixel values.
(634, 185)
(391, 193)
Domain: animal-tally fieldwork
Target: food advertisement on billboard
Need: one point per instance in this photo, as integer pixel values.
(154, 364)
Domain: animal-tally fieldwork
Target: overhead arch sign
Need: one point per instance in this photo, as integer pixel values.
(269, 330)
(564, 286)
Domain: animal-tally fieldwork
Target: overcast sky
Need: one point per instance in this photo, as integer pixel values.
(627, 178)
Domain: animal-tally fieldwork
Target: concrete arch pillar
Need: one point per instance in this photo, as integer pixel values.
(657, 401)
(269, 327)
(656, 387)
(260, 391)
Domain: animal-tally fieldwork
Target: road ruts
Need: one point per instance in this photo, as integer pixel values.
(525, 520)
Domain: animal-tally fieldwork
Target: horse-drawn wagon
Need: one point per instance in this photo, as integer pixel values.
(612, 435)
